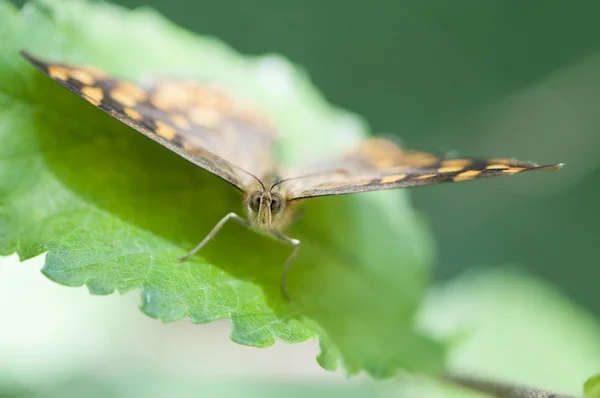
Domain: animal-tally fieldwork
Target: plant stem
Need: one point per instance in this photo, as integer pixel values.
(502, 390)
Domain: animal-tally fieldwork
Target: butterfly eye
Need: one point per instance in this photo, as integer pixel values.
(276, 203)
(254, 201)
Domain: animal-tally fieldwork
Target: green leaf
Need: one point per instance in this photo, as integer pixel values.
(114, 210)
(591, 388)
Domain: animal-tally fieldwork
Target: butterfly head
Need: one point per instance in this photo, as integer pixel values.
(266, 209)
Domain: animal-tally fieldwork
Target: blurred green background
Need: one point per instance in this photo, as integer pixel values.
(497, 78)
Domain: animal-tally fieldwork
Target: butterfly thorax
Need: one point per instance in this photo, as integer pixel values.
(268, 210)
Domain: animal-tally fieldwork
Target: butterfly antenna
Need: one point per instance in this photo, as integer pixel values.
(251, 175)
(322, 173)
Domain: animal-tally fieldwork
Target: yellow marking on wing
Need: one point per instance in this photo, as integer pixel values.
(128, 94)
(132, 113)
(383, 162)
(496, 167)
(83, 77)
(206, 118)
(450, 169)
(213, 97)
(94, 95)
(467, 175)
(123, 98)
(169, 96)
(513, 170)
(420, 159)
(194, 144)
(392, 178)
(164, 130)
(180, 121)
(133, 91)
(58, 72)
(380, 152)
(457, 163)
(426, 176)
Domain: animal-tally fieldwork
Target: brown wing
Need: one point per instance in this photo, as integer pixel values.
(379, 164)
(198, 122)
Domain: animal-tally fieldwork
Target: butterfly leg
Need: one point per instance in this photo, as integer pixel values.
(288, 263)
(214, 232)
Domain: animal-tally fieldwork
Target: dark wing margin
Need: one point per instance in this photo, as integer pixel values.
(128, 103)
(379, 164)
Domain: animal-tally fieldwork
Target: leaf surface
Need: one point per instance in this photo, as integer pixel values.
(591, 388)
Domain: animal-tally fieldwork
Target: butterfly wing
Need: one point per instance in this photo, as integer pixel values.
(379, 164)
(198, 122)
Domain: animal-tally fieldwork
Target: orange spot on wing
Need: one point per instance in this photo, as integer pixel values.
(164, 130)
(513, 170)
(497, 167)
(123, 98)
(419, 159)
(94, 95)
(58, 72)
(213, 97)
(392, 178)
(132, 91)
(128, 94)
(457, 163)
(204, 117)
(450, 169)
(83, 77)
(380, 152)
(132, 113)
(180, 121)
(425, 176)
(467, 175)
(170, 95)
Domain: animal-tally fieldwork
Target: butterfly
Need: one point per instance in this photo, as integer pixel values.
(228, 138)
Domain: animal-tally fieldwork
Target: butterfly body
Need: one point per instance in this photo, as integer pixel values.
(230, 139)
